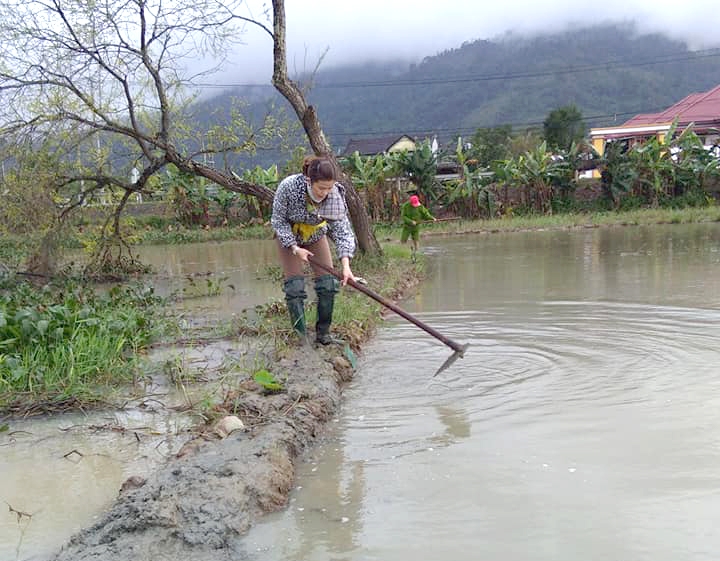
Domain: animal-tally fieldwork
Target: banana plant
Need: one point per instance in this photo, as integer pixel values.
(653, 163)
(269, 178)
(618, 174)
(468, 195)
(504, 173)
(536, 171)
(420, 166)
(225, 200)
(369, 176)
(532, 174)
(188, 196)
(694, 165)
(580, 156)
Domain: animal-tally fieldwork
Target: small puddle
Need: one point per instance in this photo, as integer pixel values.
(60, 472)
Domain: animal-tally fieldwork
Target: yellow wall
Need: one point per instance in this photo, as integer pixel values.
(403, 144)
(634, 134)
(599, 144)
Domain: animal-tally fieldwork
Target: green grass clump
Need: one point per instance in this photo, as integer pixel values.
(68, 342)
(267, 381)
(355, 314)
(634, 217)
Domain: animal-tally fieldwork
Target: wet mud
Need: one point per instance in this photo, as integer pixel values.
(210, 493)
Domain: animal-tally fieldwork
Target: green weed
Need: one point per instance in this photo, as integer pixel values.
(70, 342)
(267, 381)
(210, 286)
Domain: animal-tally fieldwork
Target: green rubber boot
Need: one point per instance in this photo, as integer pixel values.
(295, 295)
(326, 286)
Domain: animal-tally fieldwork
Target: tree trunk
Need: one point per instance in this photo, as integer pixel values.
(308, 117)
(230, 182)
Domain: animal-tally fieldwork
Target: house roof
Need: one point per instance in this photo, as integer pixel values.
(371, 146)
(699, 108)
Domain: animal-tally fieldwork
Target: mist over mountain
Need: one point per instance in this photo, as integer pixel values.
(610, 72)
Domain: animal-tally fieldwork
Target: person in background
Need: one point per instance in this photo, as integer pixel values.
(413, 213)
(308, 208)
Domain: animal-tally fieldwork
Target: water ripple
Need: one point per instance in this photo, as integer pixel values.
(552, 359)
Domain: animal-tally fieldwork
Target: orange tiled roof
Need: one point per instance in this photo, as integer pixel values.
(699, 108)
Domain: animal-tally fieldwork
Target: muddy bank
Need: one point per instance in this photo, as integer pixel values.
(202, 500)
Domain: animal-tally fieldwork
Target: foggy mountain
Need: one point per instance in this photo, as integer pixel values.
(610, 72)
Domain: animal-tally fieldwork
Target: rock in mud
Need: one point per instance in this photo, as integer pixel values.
(343, 367)
(227, 425)
(131, 483)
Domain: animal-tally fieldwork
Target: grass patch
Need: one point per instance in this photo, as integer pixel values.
(639, 217)
(69, 344)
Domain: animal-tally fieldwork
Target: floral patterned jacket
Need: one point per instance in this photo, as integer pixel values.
(292, 206)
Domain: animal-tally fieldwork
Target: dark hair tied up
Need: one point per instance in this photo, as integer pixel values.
(319, 169)
(306, 163)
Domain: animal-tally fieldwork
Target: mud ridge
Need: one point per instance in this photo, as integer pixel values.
(211, 493)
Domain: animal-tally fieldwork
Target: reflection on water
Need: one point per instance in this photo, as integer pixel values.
(216, 279)
(671, 264)
(582, 423)
(456, 422)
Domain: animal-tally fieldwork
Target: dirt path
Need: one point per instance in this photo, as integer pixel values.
(211, 493)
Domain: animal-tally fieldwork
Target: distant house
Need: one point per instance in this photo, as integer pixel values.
(379, 145)
(700, 109)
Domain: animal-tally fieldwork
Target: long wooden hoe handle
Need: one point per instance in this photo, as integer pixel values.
(458, 348)
(441, 220)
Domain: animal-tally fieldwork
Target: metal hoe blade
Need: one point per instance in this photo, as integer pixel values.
(452, 358)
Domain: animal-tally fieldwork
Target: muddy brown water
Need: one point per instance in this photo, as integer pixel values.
(583, 421)
(238, 278)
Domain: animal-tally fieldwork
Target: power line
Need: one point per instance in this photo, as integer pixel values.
(607, 65)
(471, 130)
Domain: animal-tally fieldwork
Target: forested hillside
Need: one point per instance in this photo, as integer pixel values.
(610, 72)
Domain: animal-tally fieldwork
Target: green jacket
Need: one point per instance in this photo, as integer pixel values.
(410, 213)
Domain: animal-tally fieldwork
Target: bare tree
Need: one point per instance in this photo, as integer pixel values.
(107, 78)
(310, 122)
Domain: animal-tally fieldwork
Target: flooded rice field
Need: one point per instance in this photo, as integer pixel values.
(582, 423)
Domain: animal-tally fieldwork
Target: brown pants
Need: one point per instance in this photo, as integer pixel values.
(293, 266)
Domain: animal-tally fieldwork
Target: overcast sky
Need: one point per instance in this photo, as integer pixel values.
(360, 30)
